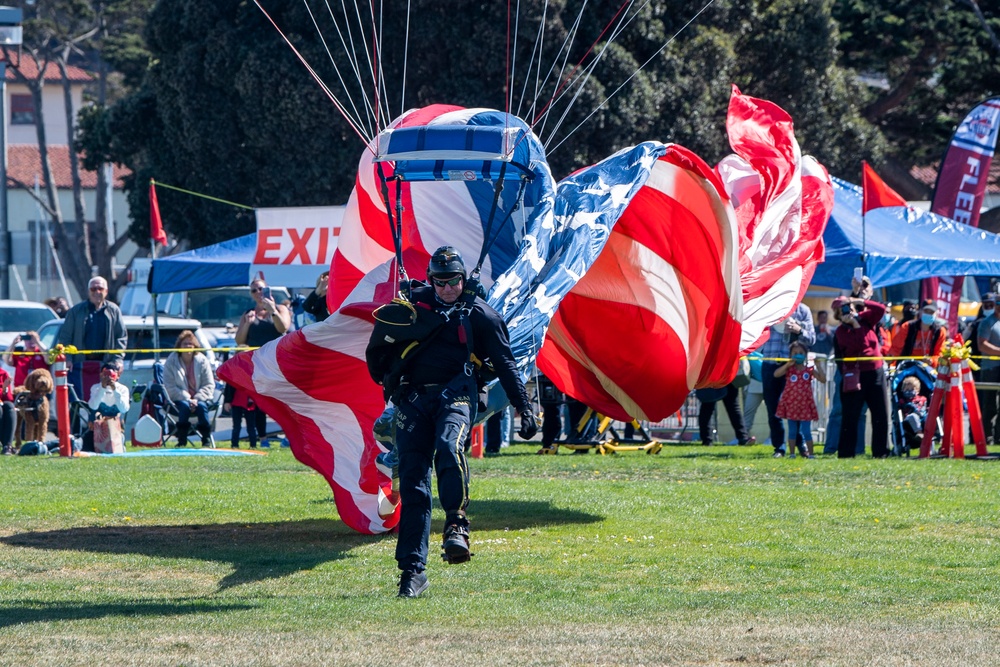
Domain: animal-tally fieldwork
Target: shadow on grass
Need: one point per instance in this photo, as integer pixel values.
(260, 551)
(46, 612)
(519, 514)
(714, 453)
(257, 551)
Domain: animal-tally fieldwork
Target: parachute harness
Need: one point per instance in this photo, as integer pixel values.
(395, 226)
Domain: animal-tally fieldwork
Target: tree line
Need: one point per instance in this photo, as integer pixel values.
(207, 96)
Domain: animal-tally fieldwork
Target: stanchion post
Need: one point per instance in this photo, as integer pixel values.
(62, 403)
(937, 398)
(975, 412)
(953, 414)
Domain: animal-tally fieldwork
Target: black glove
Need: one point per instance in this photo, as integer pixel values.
(529, 425)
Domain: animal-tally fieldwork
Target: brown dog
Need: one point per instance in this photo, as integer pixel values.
(32, 404)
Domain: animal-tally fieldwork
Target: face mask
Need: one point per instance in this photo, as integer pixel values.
(799, 358)
(927, 318)
(987, 312)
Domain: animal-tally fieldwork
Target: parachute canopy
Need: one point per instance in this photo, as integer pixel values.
(654, 271)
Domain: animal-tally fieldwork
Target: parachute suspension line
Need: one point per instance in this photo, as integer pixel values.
(581, 81)
(381, 69)
(632, 76)
(395, 227)
(355, 125)
(578, 80)
(539, 82)
(376, 62)
(506, 64)
(568, 79)
(497, 189)
(336, 69)
(368, 56)
(536, 49)
(515, 207)
(406, 53)
(567, 45)
(352, 56)
(513, 58)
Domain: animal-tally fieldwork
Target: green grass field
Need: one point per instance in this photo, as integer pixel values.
(695, 556)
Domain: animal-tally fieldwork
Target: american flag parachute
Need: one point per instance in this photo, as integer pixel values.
(646, 275)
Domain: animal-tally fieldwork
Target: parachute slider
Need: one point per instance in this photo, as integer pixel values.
(451, 153)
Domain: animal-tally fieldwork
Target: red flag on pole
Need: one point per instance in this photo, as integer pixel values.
(876, 193)
(156, 233)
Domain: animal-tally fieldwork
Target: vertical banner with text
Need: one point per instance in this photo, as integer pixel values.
(959, 193)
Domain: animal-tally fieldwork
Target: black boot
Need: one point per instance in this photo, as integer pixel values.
(207, 441)
(182, 433)
(456, 540)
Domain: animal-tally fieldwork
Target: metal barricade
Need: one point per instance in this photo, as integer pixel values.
(682, 426)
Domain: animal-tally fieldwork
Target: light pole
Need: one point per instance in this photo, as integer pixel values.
(10, 35)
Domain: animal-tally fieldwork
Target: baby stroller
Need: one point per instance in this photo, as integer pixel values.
(909, 413)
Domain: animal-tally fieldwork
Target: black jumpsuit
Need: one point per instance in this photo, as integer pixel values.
(437, 406)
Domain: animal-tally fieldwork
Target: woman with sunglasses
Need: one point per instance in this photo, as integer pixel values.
(266, 321)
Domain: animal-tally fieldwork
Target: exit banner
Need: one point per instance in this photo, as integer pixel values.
(295, 245)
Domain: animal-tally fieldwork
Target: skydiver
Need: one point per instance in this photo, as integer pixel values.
(436, 396)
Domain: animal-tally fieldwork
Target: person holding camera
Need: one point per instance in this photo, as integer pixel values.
(266, 321)
(25, 363)
(315, 303)
(858, 352)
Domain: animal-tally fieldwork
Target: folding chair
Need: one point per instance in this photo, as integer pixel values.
(167, 414)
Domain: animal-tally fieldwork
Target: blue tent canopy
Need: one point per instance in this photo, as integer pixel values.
(901, 244)
(225, 264)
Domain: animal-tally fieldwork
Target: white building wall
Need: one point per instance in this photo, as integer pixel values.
(43, 281)
(55, 115)
(28, 279)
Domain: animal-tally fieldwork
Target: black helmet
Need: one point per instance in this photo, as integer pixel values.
(446, 260)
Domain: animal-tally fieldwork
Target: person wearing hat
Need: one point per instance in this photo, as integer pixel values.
(920, 337)
(436, 392)
(109, 401)
(988, 340)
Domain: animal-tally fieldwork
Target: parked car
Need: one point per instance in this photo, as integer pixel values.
(138, 369)
(16, 317)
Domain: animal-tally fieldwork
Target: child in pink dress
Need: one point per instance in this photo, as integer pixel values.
(797, 404)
